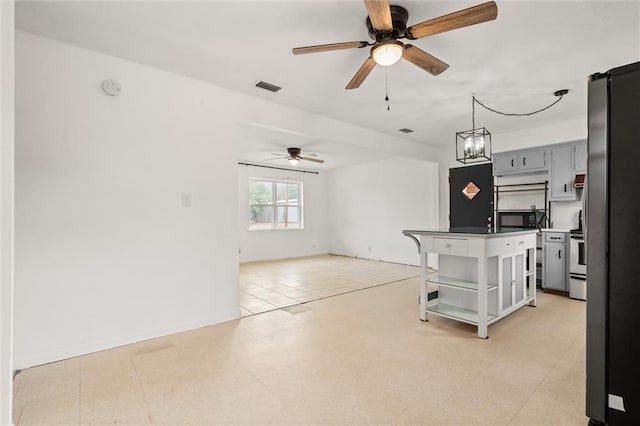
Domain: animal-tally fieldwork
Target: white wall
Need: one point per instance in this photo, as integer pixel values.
(6, 207)
(277, 244)
(105, 254)
(370, 205)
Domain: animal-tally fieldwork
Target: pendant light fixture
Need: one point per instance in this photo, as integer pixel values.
(474, 146)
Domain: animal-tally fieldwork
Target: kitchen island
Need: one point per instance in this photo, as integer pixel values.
(482, 276)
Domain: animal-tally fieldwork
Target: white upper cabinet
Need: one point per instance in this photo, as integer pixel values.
(503, 164)
(527, 161)
(562, 161)
(580, 158)
(532, 160)
(562, 174)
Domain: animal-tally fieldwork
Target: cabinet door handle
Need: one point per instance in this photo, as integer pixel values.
(565, 187)
(559, 254)
(554, 238)
(448, 246)
(512, 162)
(524, 161)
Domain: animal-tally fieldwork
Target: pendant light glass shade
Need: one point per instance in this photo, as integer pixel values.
(387, 53)
(293, 161)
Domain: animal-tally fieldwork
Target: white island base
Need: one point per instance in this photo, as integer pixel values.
(482, 276)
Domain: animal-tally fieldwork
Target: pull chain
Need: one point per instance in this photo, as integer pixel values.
(386, 87)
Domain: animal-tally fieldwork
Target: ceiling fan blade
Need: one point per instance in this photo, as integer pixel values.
(422, 59)
(310, 154)
(277, 158)
(361, 74)
(315, 160)
(380, 14)
(328, 47)
(473, 15)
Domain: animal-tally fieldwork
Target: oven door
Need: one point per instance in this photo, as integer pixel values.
(578, 261)
(578, 287)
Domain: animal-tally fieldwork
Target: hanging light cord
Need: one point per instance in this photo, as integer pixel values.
(473, 111)
(558, 93)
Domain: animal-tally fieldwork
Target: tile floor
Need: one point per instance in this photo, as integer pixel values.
(265, 286)
(360, 358)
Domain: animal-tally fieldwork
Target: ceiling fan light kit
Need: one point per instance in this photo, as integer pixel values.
(387, 53)
(294, 157)
(387, 23)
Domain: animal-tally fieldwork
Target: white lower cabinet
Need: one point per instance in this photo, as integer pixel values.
(555, 267)
(480, 279)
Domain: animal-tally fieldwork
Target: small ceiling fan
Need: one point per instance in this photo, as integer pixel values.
(294, 157)
(388, 23)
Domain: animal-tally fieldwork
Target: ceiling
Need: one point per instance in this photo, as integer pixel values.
(513, 64)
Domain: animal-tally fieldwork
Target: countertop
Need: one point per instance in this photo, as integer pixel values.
(555, 230)
(471, 232)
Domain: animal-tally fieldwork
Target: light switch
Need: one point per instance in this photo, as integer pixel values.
(186, 199)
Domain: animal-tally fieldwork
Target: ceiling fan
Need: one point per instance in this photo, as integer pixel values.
(294, 157)
(388, 23)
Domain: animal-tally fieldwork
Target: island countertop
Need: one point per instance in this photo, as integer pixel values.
(478, 232)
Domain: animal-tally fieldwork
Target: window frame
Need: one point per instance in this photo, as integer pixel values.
(275, 204)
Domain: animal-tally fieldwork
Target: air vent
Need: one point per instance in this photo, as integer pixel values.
(405, 130)
(268, 86)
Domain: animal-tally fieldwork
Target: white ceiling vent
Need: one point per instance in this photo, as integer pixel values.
(268, 86)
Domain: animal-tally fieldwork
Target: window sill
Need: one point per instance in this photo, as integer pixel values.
(276, 229)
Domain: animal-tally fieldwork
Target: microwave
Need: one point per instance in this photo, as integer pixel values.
(520, 219)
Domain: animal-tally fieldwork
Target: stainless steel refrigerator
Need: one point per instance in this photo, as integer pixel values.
(613, 247)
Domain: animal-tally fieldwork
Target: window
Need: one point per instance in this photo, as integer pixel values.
(275, 204)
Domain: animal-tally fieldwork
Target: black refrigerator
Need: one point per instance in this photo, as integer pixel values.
(613, 247)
